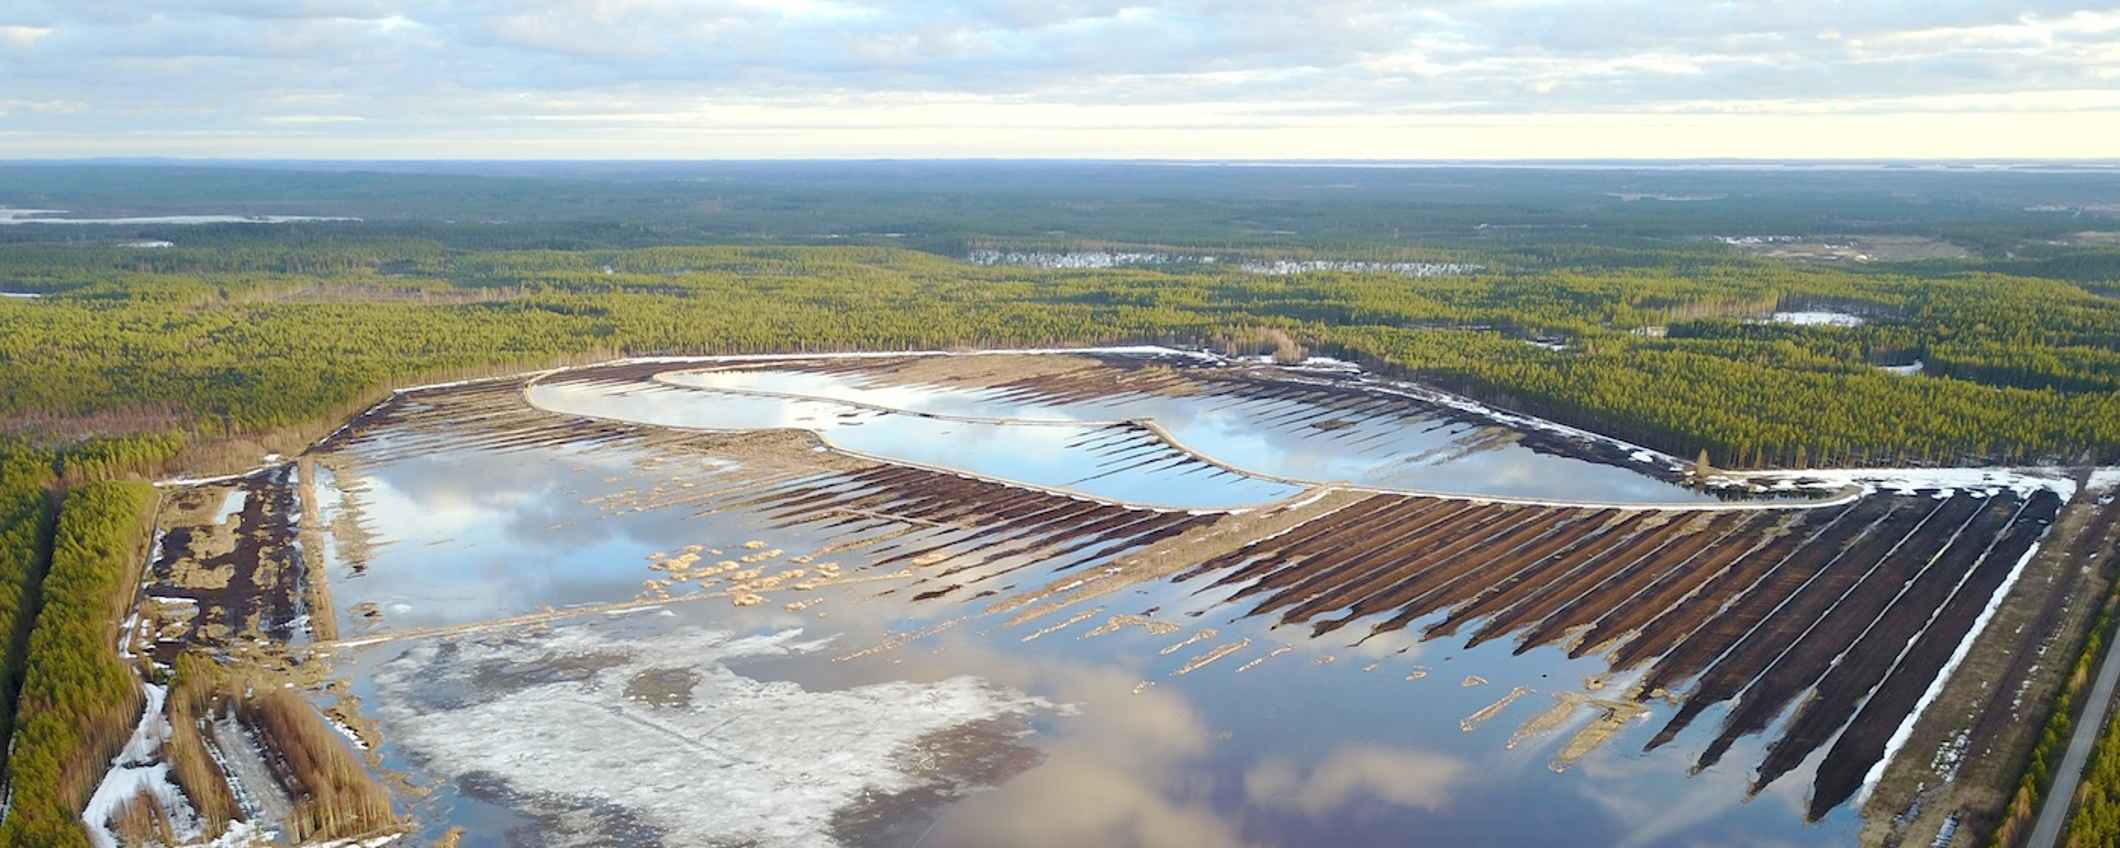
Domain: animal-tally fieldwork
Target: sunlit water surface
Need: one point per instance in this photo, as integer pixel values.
(963, 429)
(1322, 744)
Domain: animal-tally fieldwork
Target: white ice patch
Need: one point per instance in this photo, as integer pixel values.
(1116, 350)
(747, 761)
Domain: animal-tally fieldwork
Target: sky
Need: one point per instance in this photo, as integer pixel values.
(708, 79)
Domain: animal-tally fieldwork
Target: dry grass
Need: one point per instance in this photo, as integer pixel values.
(335, 796)
(139, 820)
(1255, 340)
(198, 686)
(323, 620)
(47, 425)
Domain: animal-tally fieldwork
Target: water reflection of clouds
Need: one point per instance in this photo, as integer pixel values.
(1119, 769)
(1038, 454)
(1121, 773)
(1422, 452)
(1393, 775)
(1681, 809)
(1157, 767)
(492, 495)
(479, 534)
(1128, 767)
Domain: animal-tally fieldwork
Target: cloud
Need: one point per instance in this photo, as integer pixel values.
(23, 37)
(447, 74)
(1134, 769)
(312, 119)
(1402, 777)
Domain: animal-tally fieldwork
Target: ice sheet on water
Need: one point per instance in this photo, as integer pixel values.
(740, 760)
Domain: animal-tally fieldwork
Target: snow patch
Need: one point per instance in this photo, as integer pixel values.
(139, 767)
(1976, 481)
(351, 737)
(45, 216)
(1818, 319)
(201, 481)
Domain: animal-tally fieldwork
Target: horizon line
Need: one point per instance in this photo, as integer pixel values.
(1187, 160)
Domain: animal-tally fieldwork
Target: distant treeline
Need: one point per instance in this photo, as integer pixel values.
(583, 205)
(197, 350)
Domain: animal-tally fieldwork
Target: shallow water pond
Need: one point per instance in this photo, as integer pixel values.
(871, 718)
(1268, 432)
(987, 600)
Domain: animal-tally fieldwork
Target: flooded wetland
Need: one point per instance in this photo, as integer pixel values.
(1130, 596)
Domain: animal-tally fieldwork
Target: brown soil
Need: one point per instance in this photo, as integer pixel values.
(1873, 655)
(1790, 650)
(243, 576)
(1962, 761)
(1859, 249)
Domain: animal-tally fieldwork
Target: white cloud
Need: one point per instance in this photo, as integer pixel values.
(312, 119)
(1057, 77)
(2028, 30)
(1407, 778)
(23, 37)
